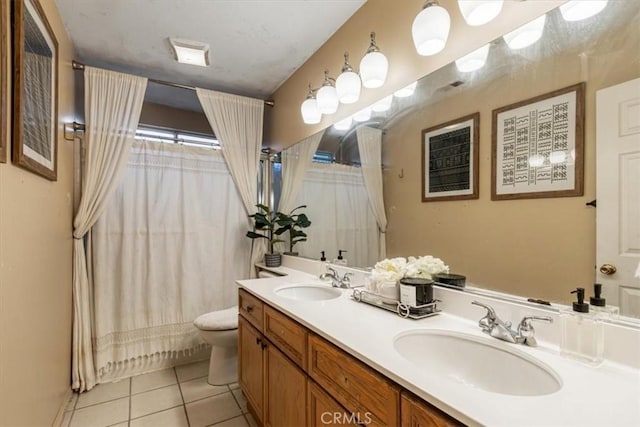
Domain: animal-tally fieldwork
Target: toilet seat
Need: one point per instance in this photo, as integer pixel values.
(221, 320)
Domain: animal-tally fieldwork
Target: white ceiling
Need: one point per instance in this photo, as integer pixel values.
(254, 45)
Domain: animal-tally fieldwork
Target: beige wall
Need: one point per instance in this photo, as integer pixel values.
(35, 272)
(391, 20)
(174, 118)
(539, 248)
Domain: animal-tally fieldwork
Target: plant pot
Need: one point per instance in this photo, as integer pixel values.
(273, 260)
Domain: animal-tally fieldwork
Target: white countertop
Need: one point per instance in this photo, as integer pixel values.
(607, 395)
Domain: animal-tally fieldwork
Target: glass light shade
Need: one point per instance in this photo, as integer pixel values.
(383, 105)
(430, 30)
(526, 35)
(473, 61)
(348, 87)
(327, 100)
(310, 113)
(576, 10)
(343, 124)
(479, 12)
(373, 69)
(406, 91)
(362, 115)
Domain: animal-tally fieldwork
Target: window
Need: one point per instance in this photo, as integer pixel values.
(169, 136)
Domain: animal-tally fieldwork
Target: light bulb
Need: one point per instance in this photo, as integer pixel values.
(382, 105)
(373, 66)
(362, 115)
(327, 96)
(343, 124)
(576, 10)
(526, 35)
(430, 29)
(473, 61)
(479, 12)
(348, 83)
(406, 91)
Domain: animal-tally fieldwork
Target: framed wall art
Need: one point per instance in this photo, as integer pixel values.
(4, 89)
(538, 146)
(35, 92)
(450, 160)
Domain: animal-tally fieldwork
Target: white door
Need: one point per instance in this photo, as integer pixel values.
(618, 194)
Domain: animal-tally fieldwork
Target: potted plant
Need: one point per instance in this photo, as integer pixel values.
(293, 223)
(264, 227)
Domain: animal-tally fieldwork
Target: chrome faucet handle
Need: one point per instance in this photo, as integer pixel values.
(491, 313)
(526, 331)
(345, 282)
(488, 321)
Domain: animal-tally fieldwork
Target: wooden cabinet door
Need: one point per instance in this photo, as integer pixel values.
(416, 413)
(323, 410)
(285, 391)
(251, 365)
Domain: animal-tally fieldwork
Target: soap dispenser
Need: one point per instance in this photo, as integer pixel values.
(322, 257)
(340, 260)
(582, 332)
(599, 305)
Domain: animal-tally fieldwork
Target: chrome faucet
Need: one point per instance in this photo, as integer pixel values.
(492, 325)
(336, 281)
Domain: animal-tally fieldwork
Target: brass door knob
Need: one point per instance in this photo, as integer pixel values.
(608, 269)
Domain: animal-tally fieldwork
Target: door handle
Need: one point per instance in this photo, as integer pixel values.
(608, 269)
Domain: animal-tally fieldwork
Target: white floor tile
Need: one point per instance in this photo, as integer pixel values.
(237, 393)
(153, 380)
(155, 401)
(192, 370)
(174, 417)
(233, 422)
(252, 421)
(104, 414)
(103, 393)
(199, 389)
(212, 410)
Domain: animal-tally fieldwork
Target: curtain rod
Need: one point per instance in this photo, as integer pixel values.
(79, 66)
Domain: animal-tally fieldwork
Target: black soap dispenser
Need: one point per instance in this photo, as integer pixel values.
(599, 304)
(340, 260)
(322, 257)
(582, 335)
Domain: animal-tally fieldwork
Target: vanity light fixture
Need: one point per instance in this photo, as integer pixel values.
(343, 124)
(348, 83)
(362, 115)
(327, 96)
(576, 10)
(311, 115)
(406, 91)
(373, 66)
(382, 105)
(479, 12)
(473, 61)
(526, 35)
(190, 52)
(430, 28)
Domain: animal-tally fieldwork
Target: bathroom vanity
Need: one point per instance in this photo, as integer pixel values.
(310, 355)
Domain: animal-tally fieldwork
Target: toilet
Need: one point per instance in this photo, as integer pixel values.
(220, 329)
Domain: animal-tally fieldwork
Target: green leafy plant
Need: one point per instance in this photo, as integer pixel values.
(264, 227)
(293, 223)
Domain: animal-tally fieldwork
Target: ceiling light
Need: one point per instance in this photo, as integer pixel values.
(473, 61)
(348, 83)
(479, 12)
(406, 91)
(344, 124)
(383, 105)
(327, 96)
(526, 35)
(430, 28)
(311, 115)
(373, 66)
(190, 52)
(576, 10)
(362, 115)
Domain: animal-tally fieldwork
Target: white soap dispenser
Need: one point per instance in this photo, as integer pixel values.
(582, 333)
(340, 260)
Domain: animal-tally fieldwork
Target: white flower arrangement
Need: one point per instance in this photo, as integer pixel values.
(394, 269)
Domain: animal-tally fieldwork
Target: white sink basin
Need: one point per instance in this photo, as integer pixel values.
(477, 362)
(308, 292)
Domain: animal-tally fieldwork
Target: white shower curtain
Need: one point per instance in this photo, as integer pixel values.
(340, 215)
(296, 160)
(170, 245)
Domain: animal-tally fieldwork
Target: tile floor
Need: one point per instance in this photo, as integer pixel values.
(174, 397)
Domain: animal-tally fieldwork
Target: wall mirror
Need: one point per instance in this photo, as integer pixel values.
(494, 243)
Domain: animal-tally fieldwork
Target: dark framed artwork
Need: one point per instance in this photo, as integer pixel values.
(538, 146)
(4, 89)
(450, 160)
(35, 91)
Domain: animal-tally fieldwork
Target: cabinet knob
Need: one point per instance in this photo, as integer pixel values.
(608, 269)
(249, 308)
(258, 340)
(263, 345)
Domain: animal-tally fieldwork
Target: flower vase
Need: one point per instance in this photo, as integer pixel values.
(389, 292)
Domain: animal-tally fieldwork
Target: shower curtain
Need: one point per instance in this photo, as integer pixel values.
(168, 248)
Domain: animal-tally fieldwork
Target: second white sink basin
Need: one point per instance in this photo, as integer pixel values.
(308, 292)
(477, 362)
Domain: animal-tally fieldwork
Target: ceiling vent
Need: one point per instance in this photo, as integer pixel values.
(190, 52)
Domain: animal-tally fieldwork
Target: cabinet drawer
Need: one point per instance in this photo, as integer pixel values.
(324, 410)
(354, 385)
(289, 336)
(251, 308)
(417, 413)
